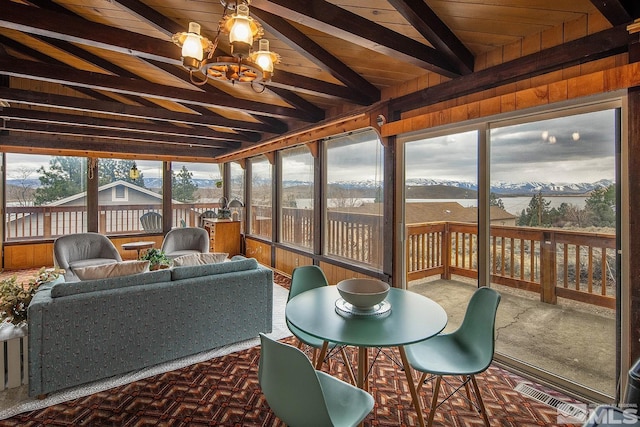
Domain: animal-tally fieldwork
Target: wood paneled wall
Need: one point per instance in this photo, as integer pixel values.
(527, 45)
(286, 260)
(36, 255)
(258, 250)
(335, 274)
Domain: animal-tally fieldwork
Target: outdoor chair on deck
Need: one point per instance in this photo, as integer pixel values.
(301, 396)
(185, 241)
(305, 278)
(465, 352)
(151, 222)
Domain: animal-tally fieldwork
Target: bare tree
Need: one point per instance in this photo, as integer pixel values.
(22, 192)
(579, 217)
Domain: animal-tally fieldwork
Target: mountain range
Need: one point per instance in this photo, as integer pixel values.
(499, 188)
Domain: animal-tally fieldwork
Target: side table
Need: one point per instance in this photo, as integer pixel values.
(138, 246)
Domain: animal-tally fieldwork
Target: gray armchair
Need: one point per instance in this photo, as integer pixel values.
(83, 250)
(184, 241)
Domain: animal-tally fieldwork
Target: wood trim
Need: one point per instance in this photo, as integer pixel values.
(313, 133)
(610, 80)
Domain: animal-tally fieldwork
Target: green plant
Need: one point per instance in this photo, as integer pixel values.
(15, 297)
(156, 258)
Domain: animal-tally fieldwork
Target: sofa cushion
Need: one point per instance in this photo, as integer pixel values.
(187, 272)
(73, 288)
(90, 262)
(125, 268)
(200, 259)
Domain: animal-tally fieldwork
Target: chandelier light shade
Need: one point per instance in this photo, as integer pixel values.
(244, 66)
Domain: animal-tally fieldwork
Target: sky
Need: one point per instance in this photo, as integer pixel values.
(572, 149)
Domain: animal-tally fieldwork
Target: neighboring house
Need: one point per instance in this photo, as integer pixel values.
(115, 193)
(418, 212)
(121, 206)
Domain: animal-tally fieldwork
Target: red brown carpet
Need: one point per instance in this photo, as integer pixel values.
(225, 392)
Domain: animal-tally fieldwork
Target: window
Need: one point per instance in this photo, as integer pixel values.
(297, 197)
(122, 214)
(236, 191)
(45, 196)
(353, 222)
(261, 197)
(195, 188)
(120, 193)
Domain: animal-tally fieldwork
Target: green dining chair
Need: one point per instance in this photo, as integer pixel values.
(305, 278)
(465, 352)
(301, 396)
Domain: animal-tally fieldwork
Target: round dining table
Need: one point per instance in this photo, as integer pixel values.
(410, 319)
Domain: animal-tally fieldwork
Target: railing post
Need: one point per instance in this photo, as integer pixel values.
(548, 268)
(192, 217)
(102, 222)
(446, 252)
(46, 223)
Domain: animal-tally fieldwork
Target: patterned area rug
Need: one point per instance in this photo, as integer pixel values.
(224, 391)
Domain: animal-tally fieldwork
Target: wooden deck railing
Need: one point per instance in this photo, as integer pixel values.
(42, 222)
(551, 262)
(554, 263)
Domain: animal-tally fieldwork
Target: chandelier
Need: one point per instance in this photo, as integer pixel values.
(245, 65)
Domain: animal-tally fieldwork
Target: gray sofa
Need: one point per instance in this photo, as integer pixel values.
(80, 332)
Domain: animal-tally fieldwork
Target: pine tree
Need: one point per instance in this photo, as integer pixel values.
(183, 188)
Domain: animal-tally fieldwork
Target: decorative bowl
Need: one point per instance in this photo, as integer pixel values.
(363, 294)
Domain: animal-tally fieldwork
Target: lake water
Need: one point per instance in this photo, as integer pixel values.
(513, 205)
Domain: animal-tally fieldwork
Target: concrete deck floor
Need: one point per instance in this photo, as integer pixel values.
(571, 340)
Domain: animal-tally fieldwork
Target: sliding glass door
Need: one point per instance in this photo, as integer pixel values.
(553, 244)
(548, 244)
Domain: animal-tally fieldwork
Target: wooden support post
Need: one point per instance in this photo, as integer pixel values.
(548, 269)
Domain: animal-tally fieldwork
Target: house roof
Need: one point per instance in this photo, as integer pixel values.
(417, 212)
(132, 187)
(104, 76)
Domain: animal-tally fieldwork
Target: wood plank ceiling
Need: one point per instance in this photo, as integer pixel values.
(104, 76)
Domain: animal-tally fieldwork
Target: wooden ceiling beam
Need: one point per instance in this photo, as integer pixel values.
(183, 74)
(198, 133)
(100, 145)
(61, 26)
(302, 84)
(150, 16)
(114, 135)
(424, 19)
(118, 109)
(613, 10)
(328, 18)
(39, 56)
(595, 46)
(316, 53)
(71, 76)
(297, 101)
